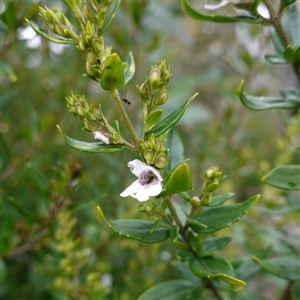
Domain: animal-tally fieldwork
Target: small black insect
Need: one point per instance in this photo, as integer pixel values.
(125, 100)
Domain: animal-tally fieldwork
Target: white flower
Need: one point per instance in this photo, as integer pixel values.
(100, 136)
(148, 182)
(212, 6)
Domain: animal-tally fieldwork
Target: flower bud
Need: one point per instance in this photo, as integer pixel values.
(70, 34)
(149, 156)
(161, 160)
(89, 126)
(91, 56)
(195, 201)
(162, 98)
(154, 74)
(92, 71)
(206, 199)
(212, 187)
(143, 91)
(79, 110)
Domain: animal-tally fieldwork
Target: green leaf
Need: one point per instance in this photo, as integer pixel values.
(176, 153)
(178, 181)
(220, 199)
(176, 289)
(167, 123)
(184, 254)
(292, 94)
(216, 267)
(112, 76)
(289, 54)
(217, 18)
(129, 70)
(265, 103)
(275, 59)
(220, 217)
(152, 118)
(285, 266)
(213, 244)
(51, 38)
(138, 229)
(288, 2)
(284, 177)
(110, 18)
(174, 233)
(95, 147)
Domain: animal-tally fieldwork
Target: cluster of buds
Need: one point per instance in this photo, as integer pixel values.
(58, 23)
(154, 153)
(91, 115)
(153, 92)
(151, 209)
(212, 179)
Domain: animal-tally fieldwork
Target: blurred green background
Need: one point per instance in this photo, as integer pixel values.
(53, 243)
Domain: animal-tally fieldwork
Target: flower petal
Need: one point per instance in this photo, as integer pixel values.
(212, 6)
(100, 136)
(154, 189)
(132, 189)
(141, 195)
(137, 167)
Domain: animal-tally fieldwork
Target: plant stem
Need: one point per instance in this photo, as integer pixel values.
(214, 290)
(125, 117)
(173, 211)
(276, 21)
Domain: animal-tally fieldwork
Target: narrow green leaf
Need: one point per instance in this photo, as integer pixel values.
(178, 181)
(174, 233)
(176, 289)
(153, 118)
(196, 223)
(176, 153)
(129, 70)
(86, 204)
(110, 18)
(167, 123)
(284, 266)
(220, 199)
(275, 59)
(112, 76)
(137, 229)
(216, 267)
(155, 225)
(96, 147)
(217, 18)
(51, 38)
(265, 103)
(213, 244)
(220, 217)
(284, 177)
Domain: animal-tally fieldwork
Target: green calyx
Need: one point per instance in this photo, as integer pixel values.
(153, 152)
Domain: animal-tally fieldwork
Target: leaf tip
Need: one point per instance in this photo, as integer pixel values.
(240, 89)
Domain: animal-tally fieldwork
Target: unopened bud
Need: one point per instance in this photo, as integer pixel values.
(91, 56)
(80, 110)
(154, 74)
(206, 199)
(162, 98)
(161, 160)
(149, 156)
(92, 71)
(212, 187)
(195, 201)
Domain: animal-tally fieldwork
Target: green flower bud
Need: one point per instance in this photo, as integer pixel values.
(80, 111)
(161, 160)
(89, 126)
(149, 156)
(90, 29)
(90, 116)
(70, 34)
(213, 173)
(58, 30)
(101, 17)
(96, 112)
(81, 43)
(91, 56)
(92, 70)
(143, 91)
(195, 201)
(162, 98)
(206, 199)
(154, 74)
(212, 187)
